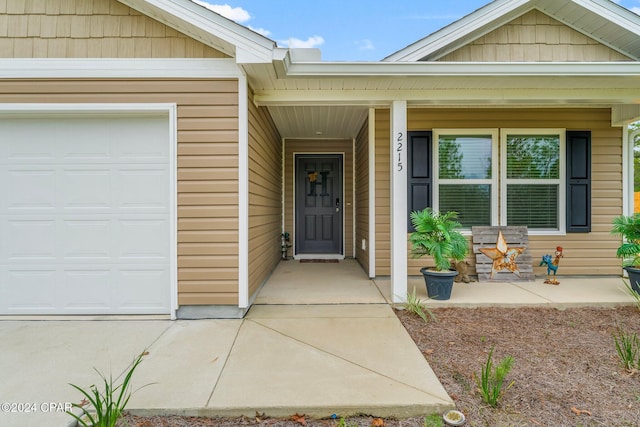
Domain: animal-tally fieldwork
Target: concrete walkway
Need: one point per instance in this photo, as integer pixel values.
(294, 352)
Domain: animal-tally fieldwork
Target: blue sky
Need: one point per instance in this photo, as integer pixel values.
(350, 30)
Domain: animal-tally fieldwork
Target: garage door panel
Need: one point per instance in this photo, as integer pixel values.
(30, 189)
(29, 290)
(85, 189)
(145, 240)
(30, 239)
(142, 188)
(87, 289)
(136, 145)
(138, 292)
(85, 215)
(24, 144)
(86, 239)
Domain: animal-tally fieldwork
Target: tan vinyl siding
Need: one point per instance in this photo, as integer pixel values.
(265, 196)
(89, 29)
(321, 146)
(207, 168)
(383, 193)
(534, 37)
(596, 249)
(362, 195)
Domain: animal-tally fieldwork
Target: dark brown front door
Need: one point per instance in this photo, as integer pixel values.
(319, 204)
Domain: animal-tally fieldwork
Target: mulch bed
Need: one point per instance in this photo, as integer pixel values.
(566, 370)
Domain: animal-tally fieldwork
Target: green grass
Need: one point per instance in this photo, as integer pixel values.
(433, 420)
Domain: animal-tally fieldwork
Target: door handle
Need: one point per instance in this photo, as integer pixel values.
(337, 204)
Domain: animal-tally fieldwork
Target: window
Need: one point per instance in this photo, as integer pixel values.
(466, 180)
(543, 182)
(532, 179)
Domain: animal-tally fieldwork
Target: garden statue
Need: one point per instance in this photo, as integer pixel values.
(552, 265)
(285, 245)
(462, 267)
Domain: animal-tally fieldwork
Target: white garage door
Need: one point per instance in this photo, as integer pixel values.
(85, 214)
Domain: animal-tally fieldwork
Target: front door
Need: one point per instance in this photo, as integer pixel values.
(318, 204)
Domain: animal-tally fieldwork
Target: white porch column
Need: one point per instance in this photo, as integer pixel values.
(399, 201)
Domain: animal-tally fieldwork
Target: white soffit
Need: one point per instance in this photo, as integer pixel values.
(602, 20)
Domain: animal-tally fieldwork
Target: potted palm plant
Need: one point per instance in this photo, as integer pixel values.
(629, 228)
(436, 234)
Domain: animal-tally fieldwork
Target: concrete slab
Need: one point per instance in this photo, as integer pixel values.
(39, 359)
(572, 292)
(581, 292)
(314, 358)
(325, 365)
(184, 364)
(322, 283)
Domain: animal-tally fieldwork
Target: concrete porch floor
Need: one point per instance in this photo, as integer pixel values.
(320, 339)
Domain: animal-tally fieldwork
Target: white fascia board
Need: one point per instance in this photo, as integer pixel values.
(448, 69)
(31, 68)
(612, 12)
(457, 30)
(187, 12)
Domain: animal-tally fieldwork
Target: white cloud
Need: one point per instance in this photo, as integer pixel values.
(293, 42)
(635, 10)
(365, 44)
(262, 31)
(236, 14)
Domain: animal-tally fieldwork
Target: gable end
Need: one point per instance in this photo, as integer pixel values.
(90, 29)
(534, 37)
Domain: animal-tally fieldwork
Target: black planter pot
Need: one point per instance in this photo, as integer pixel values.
(439, 283)
(634, 278)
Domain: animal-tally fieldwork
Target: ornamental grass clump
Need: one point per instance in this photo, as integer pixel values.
(103, 408)
(628, 348)
(414, 305)
(491, 381)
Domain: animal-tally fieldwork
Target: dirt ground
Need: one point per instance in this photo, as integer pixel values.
(566, 370)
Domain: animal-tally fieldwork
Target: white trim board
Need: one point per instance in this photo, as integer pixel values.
(28, 68)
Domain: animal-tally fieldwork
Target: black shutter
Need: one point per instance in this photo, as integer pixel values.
(578, 181)
(419, 175)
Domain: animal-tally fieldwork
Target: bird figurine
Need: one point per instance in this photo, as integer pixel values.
(552, 265)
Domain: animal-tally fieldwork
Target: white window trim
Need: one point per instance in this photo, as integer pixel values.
(561, 181)
(493, 181)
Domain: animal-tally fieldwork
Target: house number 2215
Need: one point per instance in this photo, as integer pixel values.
(399, 148)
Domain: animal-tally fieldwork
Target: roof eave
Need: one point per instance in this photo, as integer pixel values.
(194, 20)
(491, 16)
(288, 69)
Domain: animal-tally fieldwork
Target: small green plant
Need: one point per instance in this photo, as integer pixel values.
(343, 423)
(635, 295)
(433, 420)
(414, 305)
(105, 407)
(628, 348)
(491, 381)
